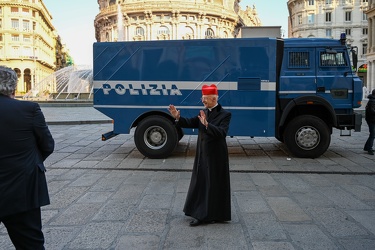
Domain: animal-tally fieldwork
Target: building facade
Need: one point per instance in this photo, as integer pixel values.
(28, 42)
(135, 20)
(330, 18)
(62, 56)
(371, 45)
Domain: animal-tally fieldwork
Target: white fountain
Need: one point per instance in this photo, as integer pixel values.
(69, 83)
(73, 82)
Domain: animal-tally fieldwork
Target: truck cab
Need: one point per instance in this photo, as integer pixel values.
(317, 85)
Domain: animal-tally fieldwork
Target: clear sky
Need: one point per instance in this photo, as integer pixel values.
(74, 22)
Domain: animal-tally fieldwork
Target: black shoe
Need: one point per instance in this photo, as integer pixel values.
(370, 152)
(195, 223)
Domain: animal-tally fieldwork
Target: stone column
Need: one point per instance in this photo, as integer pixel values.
(371, 35)
(371, 75)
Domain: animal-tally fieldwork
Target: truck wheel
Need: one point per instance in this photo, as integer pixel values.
(307, 136)
(156, 137)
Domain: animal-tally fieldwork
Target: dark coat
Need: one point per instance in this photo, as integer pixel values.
(370, 109)
(25, 142)
(208, 197)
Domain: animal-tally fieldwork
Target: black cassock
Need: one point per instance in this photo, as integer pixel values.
(208, 198)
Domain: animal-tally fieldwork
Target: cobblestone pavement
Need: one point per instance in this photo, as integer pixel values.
(106, 195)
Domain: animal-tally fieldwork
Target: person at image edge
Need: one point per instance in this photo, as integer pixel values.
(24, 145)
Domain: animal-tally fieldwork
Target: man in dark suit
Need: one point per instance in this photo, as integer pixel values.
(370, 119)
(208, 197)
(25, 142)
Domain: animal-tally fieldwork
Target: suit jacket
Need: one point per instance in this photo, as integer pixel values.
(208, 197)
(25, 142)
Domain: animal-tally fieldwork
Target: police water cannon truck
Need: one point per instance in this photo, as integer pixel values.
(296, 90)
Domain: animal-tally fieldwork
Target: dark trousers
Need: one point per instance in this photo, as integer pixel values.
(370, 141)
(25, 230)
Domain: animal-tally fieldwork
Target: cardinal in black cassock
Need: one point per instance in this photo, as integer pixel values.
(208, 199)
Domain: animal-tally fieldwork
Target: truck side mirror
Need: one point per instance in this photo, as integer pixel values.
(354, 57)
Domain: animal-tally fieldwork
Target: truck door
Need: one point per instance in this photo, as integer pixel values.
(334, 77)
(298, 76)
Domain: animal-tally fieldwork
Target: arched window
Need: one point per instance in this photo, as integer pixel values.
(27, 79)
(139, 31)
(209, 33)
(139, 34)
(18, 71)
(189, 33)
(163, 30)
(163, 33)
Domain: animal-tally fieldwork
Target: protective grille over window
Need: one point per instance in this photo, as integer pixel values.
(299, 60)
(332, 59)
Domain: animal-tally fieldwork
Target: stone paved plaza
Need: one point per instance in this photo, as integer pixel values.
(106, 195)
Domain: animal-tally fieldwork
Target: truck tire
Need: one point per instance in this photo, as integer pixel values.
(307, 136)
(156, 137)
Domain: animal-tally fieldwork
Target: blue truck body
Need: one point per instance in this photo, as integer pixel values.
(266, 83)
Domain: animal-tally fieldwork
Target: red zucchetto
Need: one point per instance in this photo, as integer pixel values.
(209, 90)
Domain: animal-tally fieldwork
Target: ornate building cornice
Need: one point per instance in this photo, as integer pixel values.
(172, 19)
